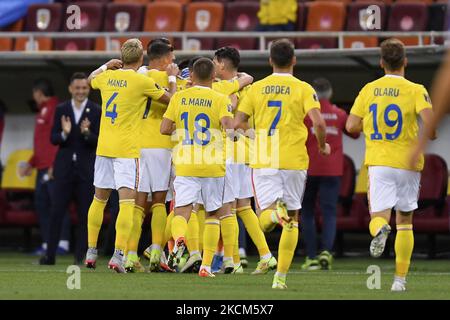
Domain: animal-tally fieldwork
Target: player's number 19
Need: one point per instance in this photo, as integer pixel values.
(396, 122)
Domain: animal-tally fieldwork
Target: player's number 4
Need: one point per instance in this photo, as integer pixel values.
(396, 122)
(111, 113)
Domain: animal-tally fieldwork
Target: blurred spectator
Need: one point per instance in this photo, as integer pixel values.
(324, 177)
(75, 130)
(277, 15)
(43, 156)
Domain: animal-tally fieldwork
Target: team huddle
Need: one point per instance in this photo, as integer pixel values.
(209, 139)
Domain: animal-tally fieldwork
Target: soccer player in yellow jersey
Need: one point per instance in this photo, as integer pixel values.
(124, 95)
(227, 61)
(386, 111)
(278, 104)
(155, 156)
(198, 114)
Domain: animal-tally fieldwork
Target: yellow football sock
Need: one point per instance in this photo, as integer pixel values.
(236, 257)
(95, 220)
(266, 221)
(179, 227)
(210, 240)
(158, 224)
(404, 244)
(286, 248)
(375, 225)
(168, 229)
(201, 215)
(251, 223)
(192, 233)
(124, 223)
(228, 231)
(138, 218)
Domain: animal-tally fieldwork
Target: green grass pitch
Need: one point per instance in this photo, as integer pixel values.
(22, 278)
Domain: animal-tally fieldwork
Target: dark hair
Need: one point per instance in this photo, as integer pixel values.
(282, 53)
(184, 64)
(43, 85)
(393, 54)
(228, 53)
(192, 62)
(78, 76)
(203, 68)
(158, 48)
(322, 87)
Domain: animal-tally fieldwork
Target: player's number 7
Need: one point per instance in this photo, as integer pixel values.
(274, 104)
(111, 114)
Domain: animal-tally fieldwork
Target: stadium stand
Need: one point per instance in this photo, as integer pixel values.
(357, 20)
(163, 17)
(120, 18)
(203, 17)
(408, 17)
(91, 20)
(233, 16)
(41, 18)
(323, 16)
(240, 16)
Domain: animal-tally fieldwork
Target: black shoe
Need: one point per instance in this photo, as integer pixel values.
(46, 261)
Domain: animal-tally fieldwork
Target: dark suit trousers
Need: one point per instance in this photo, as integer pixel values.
(72, 187)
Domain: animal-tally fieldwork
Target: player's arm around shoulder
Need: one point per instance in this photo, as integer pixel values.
(112, 64)
(244, 80)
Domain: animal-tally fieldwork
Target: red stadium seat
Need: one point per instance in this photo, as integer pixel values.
(349, 216)
(6, 44)
(91, 21)
(203, 17)
(408, 17)
(133, 1)
(163, 17)
(240, 16)
(343, 1)
(421, 1)
(438, 20)
(323, 16)
(179, 1)
(120, 18)
(433, 215)
(357, 21)
(386, 2)
(41, 18)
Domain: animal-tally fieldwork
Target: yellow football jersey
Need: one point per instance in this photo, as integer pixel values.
(151, 121)
(278, 104)
(389, 107)
(226, 87)
(241, 147)
(197, 112)
(124, 97)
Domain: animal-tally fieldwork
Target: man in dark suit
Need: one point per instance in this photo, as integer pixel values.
(75, 130)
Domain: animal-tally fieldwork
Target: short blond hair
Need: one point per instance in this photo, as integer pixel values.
(132, 51)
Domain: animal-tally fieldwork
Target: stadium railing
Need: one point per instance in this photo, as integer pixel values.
(264, 37)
